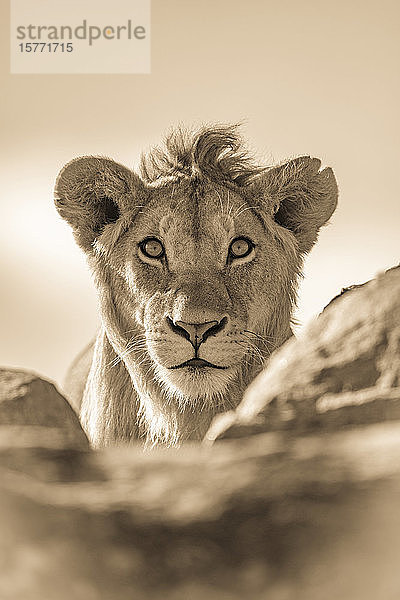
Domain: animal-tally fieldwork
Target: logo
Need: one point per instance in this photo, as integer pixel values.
(56, 36)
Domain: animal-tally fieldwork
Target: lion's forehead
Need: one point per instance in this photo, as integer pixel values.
(195, 235)
(200, 225)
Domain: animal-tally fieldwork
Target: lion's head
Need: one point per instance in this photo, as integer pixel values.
(196, 263)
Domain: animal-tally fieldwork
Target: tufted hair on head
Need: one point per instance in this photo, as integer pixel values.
(216, 152)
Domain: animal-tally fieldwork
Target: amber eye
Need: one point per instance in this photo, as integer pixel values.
(240, 247)
(152, 248)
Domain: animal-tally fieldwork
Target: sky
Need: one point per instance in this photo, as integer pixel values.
(316, 78)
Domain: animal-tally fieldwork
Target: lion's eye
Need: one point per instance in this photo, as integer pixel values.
(152, 248)
(240, 247)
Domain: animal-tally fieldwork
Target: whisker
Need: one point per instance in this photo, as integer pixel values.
(220, 201)
(253, 350)
(229, 213)
(263, 338)
(238, 210)
(244, 210)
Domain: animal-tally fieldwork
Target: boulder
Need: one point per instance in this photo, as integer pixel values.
(344, 369)
(28, 400)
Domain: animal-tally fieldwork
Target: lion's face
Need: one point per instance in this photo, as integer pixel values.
(196, 263)
(204, 272)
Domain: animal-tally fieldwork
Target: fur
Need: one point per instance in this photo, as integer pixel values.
(195, 195)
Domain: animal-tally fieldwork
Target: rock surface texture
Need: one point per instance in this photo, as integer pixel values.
(26, 399)
(308, 511)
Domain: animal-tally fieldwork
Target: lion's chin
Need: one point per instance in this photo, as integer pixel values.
(189, 384)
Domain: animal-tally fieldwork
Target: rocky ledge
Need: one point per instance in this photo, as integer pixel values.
(294, 496)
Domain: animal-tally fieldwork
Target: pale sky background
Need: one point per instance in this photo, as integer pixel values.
(319, 78)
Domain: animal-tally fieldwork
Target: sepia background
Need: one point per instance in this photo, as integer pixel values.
(310, 77)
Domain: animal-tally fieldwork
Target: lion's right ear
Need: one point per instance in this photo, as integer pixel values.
(92, 192)
(300, 196)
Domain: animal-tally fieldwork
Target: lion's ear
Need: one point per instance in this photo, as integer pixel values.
(91, 192)
(303, 197)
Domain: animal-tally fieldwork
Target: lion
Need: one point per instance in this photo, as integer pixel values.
(196, 263)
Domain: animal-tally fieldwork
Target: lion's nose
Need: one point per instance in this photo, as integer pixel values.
(197, 333)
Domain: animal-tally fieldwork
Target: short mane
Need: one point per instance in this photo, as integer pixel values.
(216, 152)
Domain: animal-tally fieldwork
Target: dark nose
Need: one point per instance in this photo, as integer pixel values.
(197, 333)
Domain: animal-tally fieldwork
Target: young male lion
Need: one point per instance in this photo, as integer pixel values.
(196, 265)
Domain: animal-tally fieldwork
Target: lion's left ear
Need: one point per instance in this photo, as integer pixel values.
(302, 197)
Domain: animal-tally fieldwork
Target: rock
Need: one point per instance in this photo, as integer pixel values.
(28, 400)
(343, 370)
(271, 516)
(304, 512)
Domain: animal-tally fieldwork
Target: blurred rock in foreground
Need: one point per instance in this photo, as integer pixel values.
(343, 370)
(26, 399)
(268, 517)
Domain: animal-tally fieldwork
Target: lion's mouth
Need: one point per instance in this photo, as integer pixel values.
(197, 363)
